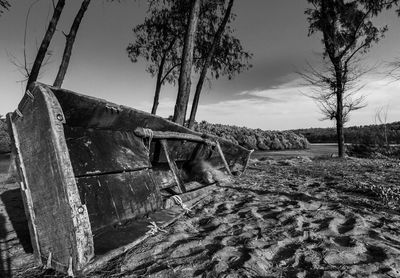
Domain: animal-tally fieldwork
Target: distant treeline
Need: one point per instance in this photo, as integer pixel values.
(368, 134)
(4, 137)
(255, 139)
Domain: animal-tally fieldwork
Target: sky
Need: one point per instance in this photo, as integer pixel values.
(268, 96)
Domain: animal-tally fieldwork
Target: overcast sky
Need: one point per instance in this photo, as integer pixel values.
(268, 96)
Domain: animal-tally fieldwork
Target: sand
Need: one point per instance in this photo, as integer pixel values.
(288, 218)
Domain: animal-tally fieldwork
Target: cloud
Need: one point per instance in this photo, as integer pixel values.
(289, 91)
(288, 109)
(260, 113)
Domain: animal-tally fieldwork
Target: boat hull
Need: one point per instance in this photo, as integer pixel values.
(87, 168)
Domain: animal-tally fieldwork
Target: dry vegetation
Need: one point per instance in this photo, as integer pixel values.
(4, 138)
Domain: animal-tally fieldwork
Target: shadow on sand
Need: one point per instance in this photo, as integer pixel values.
(11, 243)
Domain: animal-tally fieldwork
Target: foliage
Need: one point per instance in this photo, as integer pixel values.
(348, 32)
(368, 135)
(4, 5)
(255, 139)
(5, 141)
(162, 33)
(157, 36)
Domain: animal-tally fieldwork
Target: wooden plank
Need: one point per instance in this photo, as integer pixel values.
(52, 200)
(164, 217)
(201, 190)
(173, 167)
(92, 112)
(105, 151)
(221, 153)
(25, 191)
(178, 151)
(141, 132)
(113, 198)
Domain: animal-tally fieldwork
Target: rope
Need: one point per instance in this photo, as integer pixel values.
(148, 133)
(19, 113)
(154, 229)
(179, 202)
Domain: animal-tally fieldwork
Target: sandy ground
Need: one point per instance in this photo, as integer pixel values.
(283, 218)
(287, 216)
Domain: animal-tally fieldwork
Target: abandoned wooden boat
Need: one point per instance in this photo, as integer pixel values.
(94, 174)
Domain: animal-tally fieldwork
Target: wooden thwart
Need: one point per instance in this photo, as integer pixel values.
(172, 135)
(221, 153)
(173, 167)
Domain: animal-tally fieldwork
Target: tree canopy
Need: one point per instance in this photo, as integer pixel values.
(4, 5)
(348, 32)
(159, 40)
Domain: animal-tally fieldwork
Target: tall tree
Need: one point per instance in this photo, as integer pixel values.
(186, 65)
(159, 40)
(207, 63)
(4, 5)
(70, 39)
(37, 64)
(348, 32)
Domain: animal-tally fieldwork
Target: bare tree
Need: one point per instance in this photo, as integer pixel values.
(70, 39)
(347, 32)
(23, 66)
(186, 65)
(321, 82)
(381, 117)
(37, 64)
(394, 69)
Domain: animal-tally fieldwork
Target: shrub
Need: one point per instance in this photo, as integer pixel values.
(254, 138)
(5, 141)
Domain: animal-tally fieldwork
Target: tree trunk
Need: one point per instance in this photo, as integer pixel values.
(70, 39)
(158, 85)
(386, 136)
(339, 123)
(160, 77)
(33, 75)
(186, 67)
(207, 63)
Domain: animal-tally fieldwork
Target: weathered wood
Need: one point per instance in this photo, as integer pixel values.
(221, 153)
(25, 191)
(89, 112)
(104, 151)
(113, 198)
(164, 218)
(85, 174)
(173, 167)
(163, 176)
(179, 151)
(172, 135)
(190, 195)
(60, 222)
